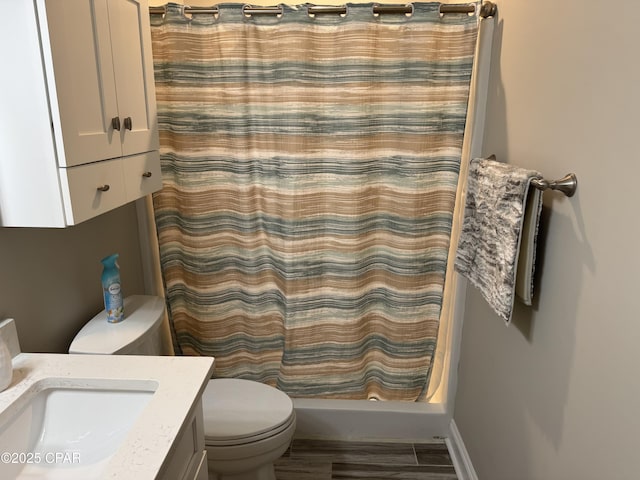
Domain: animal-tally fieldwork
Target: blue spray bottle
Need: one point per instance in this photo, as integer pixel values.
(113, 302)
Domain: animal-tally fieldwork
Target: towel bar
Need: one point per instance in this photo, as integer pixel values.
(567, 184)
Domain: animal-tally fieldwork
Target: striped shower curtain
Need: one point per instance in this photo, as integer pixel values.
(310, 165)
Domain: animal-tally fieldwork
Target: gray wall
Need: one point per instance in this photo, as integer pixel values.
(555, 395)
(50, 278)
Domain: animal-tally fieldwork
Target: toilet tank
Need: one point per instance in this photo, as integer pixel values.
(138, 334)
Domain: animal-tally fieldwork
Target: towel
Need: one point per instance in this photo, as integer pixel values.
(490, 241)
(528, 244)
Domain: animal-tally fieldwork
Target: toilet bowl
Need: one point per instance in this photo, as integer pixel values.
(247, 425)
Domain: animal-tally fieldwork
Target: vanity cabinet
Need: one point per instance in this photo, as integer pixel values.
(188, 460)
(78, 128)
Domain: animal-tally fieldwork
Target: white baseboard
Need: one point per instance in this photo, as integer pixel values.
(459, 455)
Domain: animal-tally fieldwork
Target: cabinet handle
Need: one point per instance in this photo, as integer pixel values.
(128, 123)
(104, 188)
(147, 174)
(115, 123)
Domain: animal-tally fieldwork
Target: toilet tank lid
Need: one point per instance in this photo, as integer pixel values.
(142, 314)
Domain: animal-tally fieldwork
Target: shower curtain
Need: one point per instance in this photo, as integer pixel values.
(310, 165)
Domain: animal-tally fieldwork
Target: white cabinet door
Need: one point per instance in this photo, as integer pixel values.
(133, 70)
(84, 92)
(102, 64)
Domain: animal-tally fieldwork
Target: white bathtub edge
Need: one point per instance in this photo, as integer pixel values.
(360, 420)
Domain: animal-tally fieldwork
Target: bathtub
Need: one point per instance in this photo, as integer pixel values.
(389, 420)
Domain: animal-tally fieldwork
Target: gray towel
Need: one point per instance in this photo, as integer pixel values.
(491, 235)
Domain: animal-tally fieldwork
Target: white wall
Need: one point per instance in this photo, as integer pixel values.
(50, 278)
(556, 395)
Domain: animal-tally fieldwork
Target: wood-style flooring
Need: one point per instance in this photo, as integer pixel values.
(337, 460)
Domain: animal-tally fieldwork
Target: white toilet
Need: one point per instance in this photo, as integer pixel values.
(247, 425)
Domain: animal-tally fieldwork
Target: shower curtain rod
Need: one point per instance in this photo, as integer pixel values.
(488, 9)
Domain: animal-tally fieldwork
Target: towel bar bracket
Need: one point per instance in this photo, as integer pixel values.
(567, 184)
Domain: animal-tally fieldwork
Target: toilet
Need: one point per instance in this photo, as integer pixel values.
(247, 425)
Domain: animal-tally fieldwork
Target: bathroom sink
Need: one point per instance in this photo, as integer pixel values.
(53, 431)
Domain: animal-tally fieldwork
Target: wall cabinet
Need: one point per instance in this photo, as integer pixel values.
(78, 129)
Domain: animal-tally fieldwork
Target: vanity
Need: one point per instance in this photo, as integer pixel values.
(102, 416)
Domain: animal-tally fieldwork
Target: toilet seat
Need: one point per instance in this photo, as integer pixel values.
(238, 412)
(214, 442)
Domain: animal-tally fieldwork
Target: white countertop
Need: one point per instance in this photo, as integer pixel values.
(178, 382)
